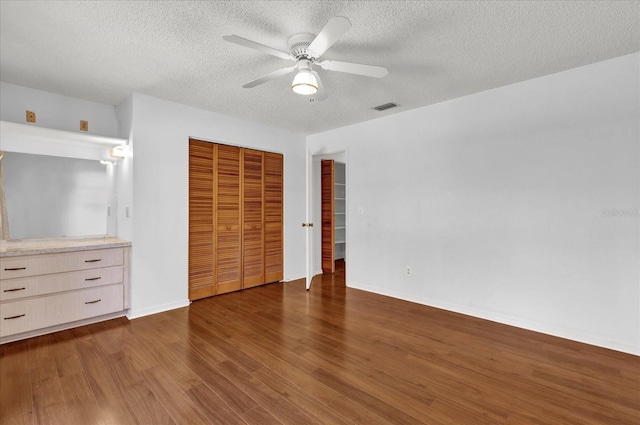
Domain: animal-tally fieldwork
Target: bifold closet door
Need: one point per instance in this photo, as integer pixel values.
(228, 232)
(273, 218)
(328, 209)
(252, 218)
(201, 220)
(235, 218)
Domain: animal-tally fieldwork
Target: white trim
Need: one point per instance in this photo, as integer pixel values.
(291, 279)
(571, 334)
(136, 314)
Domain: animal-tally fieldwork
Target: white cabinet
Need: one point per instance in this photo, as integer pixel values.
(47, 292)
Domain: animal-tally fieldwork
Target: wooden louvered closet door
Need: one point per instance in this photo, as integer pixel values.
(235, 218)
(273, 219)
(228, 264)
(201, 247)
(252, 217)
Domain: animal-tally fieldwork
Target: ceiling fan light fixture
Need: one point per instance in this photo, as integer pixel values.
(304, 83)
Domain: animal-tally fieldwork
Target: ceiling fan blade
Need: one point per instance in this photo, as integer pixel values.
(321, 94)
(354, 68)
(271, 76)
(257, 46)
(335, 28)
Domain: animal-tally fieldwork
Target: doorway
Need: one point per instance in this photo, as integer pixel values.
(320, 252)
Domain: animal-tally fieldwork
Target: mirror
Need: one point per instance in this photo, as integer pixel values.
(51, 196)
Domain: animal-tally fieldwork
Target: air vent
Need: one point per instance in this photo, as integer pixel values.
(385, 106)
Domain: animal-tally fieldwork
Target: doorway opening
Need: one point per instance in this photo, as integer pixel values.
(329, 205)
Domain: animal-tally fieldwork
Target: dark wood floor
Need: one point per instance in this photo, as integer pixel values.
(279, 355)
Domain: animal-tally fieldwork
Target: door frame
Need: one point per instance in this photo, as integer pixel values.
(313, 255)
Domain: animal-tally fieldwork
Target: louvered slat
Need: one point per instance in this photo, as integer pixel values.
(273, 235)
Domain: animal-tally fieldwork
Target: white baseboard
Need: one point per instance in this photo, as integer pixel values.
(137, 313)
(571, 334)
(289, 279)
(315, 273)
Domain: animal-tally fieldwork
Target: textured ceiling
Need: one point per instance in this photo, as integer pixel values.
(434, 51)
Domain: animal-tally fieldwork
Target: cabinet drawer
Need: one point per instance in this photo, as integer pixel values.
(34, 265)
(12, 289)
(34, 313)
(96, 301)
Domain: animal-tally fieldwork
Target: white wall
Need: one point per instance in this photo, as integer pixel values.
(56, 111)
(161, 132)
(518, 204)
(124, 175)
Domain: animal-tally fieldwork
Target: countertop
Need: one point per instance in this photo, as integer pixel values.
(16, 247)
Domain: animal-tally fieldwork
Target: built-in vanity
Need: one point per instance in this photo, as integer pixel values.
(59, 183)
(52, 284)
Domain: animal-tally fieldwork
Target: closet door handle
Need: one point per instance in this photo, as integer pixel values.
(93, 278)
(14, 317)
(16, 268)
(92, 261)
(93, 302)
(307, 224)
(14, 289)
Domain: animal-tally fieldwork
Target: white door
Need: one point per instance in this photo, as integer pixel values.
(309, 217)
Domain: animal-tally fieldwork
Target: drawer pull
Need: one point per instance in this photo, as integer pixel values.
(92, 261)
(93, 278)
(94, 301)
(14, 317)
(16, 268)
(14, 289)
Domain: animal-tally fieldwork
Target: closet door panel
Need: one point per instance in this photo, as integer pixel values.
(273, 217)
(228, 264)
(253, 218)
(328, 235)
(235, 218)
(201, 213)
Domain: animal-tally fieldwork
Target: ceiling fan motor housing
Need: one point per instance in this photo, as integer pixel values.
(298, 45)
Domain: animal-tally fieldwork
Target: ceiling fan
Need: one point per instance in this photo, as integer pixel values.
(306, 50)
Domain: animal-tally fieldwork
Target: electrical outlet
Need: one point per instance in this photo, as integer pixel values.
(84, 125)
(31, 116)
(407, 271)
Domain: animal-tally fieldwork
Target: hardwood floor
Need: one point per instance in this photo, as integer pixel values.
(280, 355)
